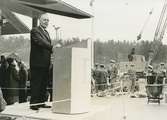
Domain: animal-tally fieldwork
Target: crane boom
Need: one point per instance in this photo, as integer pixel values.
(160, 22)
(159, 32)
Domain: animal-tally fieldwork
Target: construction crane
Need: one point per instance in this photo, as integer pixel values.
(155, 46)
(145, 24)
(159, 33)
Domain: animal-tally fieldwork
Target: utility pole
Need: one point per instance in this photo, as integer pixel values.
(92, 32)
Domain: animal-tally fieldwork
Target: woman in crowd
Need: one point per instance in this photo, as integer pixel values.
(13, 82)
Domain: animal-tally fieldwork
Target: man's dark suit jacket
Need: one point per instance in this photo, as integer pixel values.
(41, 48)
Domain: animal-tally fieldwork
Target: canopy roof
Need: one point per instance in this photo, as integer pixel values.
(11, 24)
(33, 8)
(36, 7)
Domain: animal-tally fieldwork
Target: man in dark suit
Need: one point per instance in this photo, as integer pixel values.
(40, 56)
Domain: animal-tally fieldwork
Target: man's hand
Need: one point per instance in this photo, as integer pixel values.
(56, 46)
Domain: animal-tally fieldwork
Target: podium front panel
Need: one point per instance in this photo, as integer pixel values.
(71, 80)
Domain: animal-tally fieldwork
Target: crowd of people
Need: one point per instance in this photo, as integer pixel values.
(107, 78)
(13, 79)
(103, 76)
(157, 75)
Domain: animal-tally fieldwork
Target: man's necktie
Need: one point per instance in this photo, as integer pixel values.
(46, 32)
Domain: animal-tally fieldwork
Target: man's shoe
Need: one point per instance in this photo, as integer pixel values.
(34, 107)
(45, 106)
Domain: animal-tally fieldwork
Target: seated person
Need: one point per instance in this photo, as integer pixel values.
(150, 75)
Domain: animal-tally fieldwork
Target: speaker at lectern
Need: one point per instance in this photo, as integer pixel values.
(71, 80)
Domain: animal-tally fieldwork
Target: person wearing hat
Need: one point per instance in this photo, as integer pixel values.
(103, 74)
(102, 83)
(12, 82)
(95, 70)
(112, 71)
(161, 73)
(162, 67)
(130, 56)
(23, 75)
(95, 77)
(150, 75)
(150, 69)
(132, 77)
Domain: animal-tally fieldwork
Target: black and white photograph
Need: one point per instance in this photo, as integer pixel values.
(83, 59)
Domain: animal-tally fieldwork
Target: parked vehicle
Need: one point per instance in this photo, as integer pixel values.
(139, 65)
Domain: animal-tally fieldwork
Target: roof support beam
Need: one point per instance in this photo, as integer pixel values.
(34, 22)
(0, 22)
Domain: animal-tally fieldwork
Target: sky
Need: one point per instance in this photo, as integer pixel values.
(113, 19)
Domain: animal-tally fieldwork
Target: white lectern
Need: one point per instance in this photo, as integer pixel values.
(71, 80)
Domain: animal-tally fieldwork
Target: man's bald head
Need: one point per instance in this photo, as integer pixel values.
(44, 20)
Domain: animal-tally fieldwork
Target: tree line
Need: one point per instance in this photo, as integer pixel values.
(119, 50)
(103, 51)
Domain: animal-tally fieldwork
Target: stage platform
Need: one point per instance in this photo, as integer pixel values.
(102, 108)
